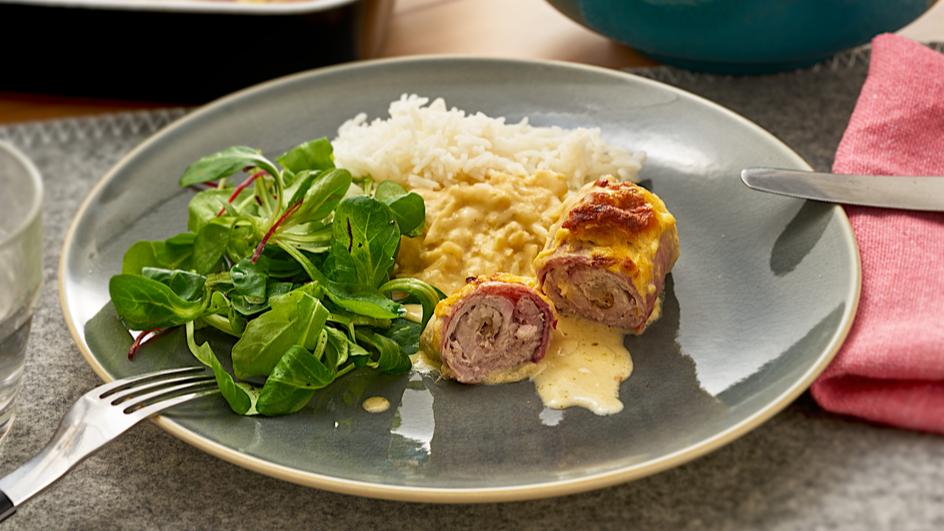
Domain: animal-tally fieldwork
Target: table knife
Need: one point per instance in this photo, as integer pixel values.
(909, 193)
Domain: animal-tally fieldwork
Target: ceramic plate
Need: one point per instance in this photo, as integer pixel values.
(759, 302)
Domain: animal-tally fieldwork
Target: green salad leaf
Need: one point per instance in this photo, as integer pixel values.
(313, 155)
(290, 321)
(405, 333)
(296, 377)
(241, 397)
(250, 280)
(389, 357)
(210, 244)
(366, 239)
(409, 209)
(224, 164)
(415, 290)
(363, 301)
(175, 252)
(186, 284)
(322, 195)
(204, 207)
(292, 261)
(145, 304)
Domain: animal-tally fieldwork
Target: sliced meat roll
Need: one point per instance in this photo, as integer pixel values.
(491, 326)
(607, 258)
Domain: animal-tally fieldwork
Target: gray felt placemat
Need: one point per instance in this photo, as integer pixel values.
(803, 469)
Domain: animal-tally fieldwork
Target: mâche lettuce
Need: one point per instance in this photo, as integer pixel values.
(290, 262)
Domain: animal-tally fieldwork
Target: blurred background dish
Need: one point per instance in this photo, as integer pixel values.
(21, 269)
(179, 50)
(741, 36)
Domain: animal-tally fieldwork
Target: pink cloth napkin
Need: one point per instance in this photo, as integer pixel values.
(891, 368)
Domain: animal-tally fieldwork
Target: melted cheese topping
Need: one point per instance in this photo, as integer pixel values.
(585, 364)
(640, 251)
(480, 228)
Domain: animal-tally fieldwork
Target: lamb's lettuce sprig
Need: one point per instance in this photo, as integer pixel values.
(294, 262)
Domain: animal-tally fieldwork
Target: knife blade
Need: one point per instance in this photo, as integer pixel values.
(909, 193)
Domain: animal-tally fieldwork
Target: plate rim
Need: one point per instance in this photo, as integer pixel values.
(475, 494)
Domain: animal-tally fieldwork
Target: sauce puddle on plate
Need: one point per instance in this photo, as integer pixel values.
(584, 366)
(376, 404)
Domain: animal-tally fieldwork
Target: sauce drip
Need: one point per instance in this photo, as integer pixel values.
(584, 366)
(376, 404)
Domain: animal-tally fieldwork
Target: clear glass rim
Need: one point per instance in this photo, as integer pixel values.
(33, 175)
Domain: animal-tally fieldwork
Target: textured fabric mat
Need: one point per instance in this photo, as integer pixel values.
(803, 469)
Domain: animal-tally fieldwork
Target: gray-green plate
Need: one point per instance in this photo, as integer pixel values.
(762, 297)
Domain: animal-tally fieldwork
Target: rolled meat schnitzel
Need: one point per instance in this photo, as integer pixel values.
(489, 326)
(607, 258)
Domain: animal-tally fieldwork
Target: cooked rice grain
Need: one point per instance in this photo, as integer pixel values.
(427, 146)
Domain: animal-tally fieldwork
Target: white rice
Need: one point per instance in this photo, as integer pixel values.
(427, 146)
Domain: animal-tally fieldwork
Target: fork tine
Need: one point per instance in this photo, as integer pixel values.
(160, 394)
(104, 390)
(147, 411)
(127, 393)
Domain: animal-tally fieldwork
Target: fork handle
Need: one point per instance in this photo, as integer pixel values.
(73, 441)
(6, 507)
(93, 421)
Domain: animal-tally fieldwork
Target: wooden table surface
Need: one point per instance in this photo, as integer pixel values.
(526, 28)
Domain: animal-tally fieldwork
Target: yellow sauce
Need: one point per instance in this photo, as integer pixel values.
(476, 227)
(521, 372)
(656, 312)
(423, 363)
(584, 366)
(376, 404)
(414, 312)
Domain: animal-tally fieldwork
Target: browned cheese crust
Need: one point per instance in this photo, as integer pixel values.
(607, 258)
(610, 207)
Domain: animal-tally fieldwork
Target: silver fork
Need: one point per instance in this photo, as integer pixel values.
(96, 418)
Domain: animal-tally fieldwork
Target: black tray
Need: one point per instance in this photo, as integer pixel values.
(178, 50)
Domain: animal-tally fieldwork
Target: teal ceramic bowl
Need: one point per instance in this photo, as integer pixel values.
(741, 36)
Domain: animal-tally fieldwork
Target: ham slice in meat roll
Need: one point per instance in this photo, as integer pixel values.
(607, 257)
(489, 327)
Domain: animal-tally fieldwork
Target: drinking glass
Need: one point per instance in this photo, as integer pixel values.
(21, 268)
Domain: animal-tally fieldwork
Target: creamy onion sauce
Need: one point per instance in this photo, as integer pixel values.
(376, 404)
(584, 366)
(414, 312)
(478, 227)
